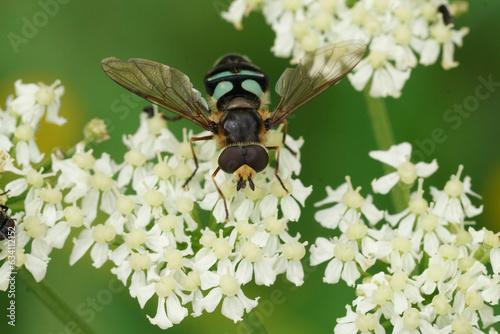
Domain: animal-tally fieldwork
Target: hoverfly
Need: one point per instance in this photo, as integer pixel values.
(6, 222)
(239, 118)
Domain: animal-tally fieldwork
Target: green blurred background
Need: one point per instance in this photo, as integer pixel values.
(190, 35)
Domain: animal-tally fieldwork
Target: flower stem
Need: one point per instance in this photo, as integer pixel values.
(384, 137)
(252, 322)
(55, 303)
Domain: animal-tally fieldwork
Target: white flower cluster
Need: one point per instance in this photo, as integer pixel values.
(422, 269)
(400, 33)
(165, 243)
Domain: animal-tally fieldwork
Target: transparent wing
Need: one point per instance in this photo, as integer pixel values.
(314, 73)
(162, 85)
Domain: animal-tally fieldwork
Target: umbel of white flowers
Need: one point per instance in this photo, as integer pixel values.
(400, 33)
(135, 213)
(439, 275)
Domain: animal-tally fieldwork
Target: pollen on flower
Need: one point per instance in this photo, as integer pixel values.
(455, 187)
(139, 261)
(435, 272)
(245, 229)
(103, 233)
(135, 157)
(448, 251)
(124, 204)
(441, 32)
(184, 204)
(372, 26)
(411, 318)
(404, 13)
(402, 245)
(299, 30)
(168, 222)
(182, 171)
(294, 250)
(156, 123)
(351, 197)
(322, 21)
(84, 160)
(398, 280)
(474, 300)
(251, 251)
(277, 189)
(465, 281)
(135, 238)
(429, 11)
(34, 227)
(463, 237)
(153, 197)
(228, 188)
(356, 231)
(46, 94)
(73, 215)
(95, 131)
(491, 239)
(403, 35)
(377, 58)
(328, 5)
(229, 285)
(428, 222)
(310, 41)
(358, 15)
(381, 5)
(407, 172)
(221, 248)
(418, 205)
(34, 178)
(165, 286)
(24, 132)
(274, 225)
(161, 169)
(4, 159)
(21, 257)
(441, 305)
(208, 238)
(174, 258)
(184, 148)
(49, 195)
(344, 252)
(366, 322)
(465, 263)
(291, 5)
(258, 193)
(101, 182)
(192, 281)
(382, 295)
(460, 325)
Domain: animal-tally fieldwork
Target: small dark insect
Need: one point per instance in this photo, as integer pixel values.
(6, 222)
(447, 17)
(239, 118)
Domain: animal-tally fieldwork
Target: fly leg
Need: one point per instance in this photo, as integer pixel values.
(277, 148)
(220, 192)
(285, 128)
(193, 139)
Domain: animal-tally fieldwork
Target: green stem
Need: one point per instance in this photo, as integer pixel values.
(384, 138)
(252, 322)
(54, 303)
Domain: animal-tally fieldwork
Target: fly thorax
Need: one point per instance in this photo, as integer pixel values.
(241, 126)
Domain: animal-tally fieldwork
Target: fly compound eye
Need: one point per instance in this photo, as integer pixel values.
(231, 159)
(256, 157)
